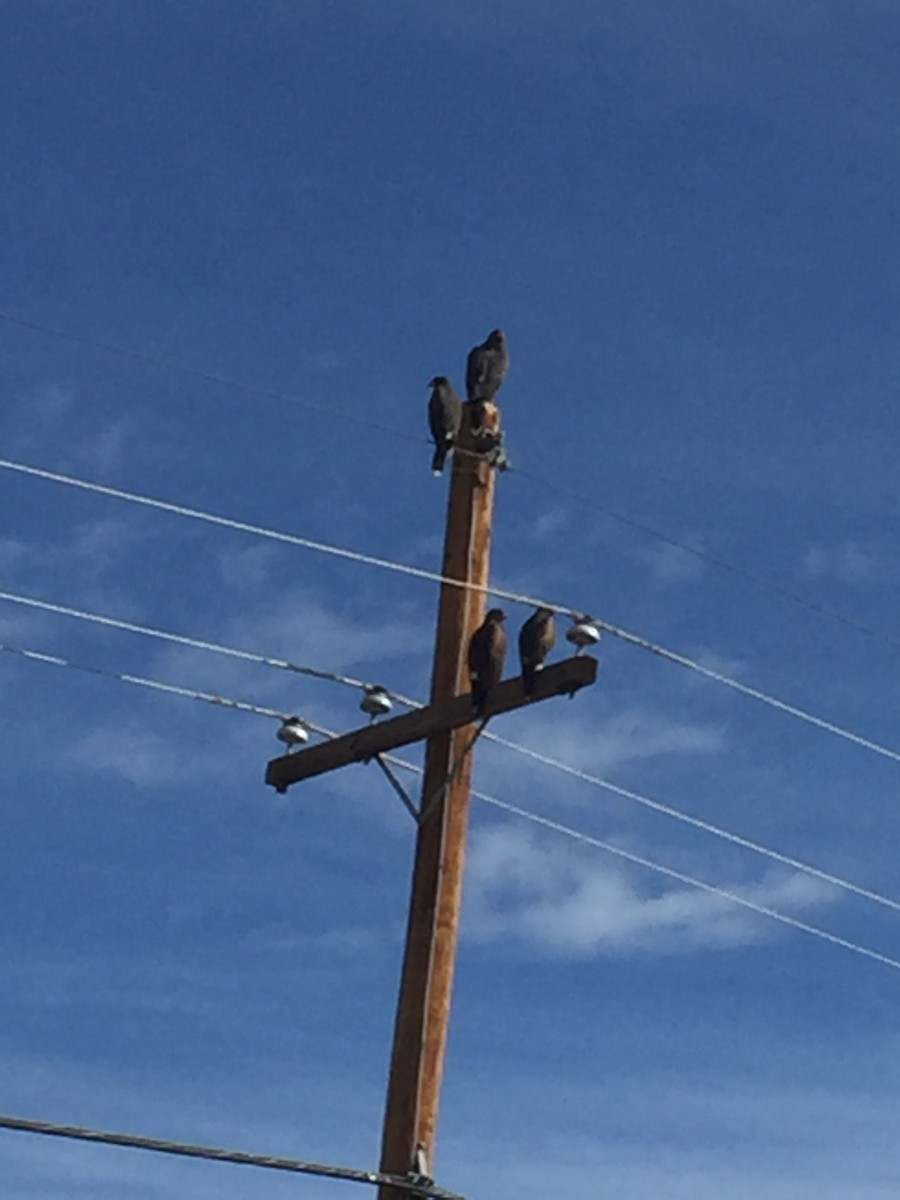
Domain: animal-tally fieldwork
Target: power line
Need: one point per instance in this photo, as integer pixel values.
(762, 909)
(157, 685)
(714, 560)
(588, 839)
(371, 560)
(557, 826)
(343, 414)
(697, 823)
(667, 810)
(179, 639)
(754, 693)
(518, 747)
(418, 1186)
(154, 360)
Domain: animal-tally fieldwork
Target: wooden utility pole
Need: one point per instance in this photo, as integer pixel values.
(423, 1008)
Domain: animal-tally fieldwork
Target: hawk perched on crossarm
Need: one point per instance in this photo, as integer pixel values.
(537, 638)
(444, 418)
(487, 653)
(486, 369)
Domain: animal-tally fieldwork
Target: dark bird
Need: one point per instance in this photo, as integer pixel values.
(537, 637)
(486, 369)
(487, 652)
(444, 418)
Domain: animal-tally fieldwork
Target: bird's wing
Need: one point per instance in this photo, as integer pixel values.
(435, 417)
(498, 647)
(526, 639)
(477, 652)
(453, 412)
(476, 369)
(547, 635)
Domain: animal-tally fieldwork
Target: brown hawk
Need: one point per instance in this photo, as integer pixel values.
(486, 369)
(537, 637)
(444, 419)
(487, 653)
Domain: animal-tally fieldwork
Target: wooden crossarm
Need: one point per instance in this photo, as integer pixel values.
(557, 679)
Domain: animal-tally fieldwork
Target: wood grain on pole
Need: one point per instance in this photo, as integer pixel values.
(455, 821)
(423, 1007)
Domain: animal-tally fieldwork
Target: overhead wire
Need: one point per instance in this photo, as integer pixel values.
(628, 636)
(394, 432)
(696, 822)
(221, 701)
(625, 635)
(713, 560)
(546, 822)
(180, 639)
(415, 1185)
(680, 876)
(226, 381)
(157, 685)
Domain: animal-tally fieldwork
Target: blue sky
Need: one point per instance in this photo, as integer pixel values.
(684, 216)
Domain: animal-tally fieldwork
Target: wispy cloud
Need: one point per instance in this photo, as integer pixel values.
(300, 625)
(848, 563)
(147, 750)
(671, 564)
(561, 901)
(52, 414)
(138, 754)
(249, 568)
(698, 1139)
(87, 549)
(603, 745)
(550, 523)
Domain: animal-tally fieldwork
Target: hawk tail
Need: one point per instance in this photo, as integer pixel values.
(529, 675)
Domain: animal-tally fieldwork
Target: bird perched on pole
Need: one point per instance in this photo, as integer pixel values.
(486, 369)
(444, 419)
(537, 637)
(487, 653)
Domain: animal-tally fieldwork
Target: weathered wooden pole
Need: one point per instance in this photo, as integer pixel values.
(423, 1009)
(423, 1006)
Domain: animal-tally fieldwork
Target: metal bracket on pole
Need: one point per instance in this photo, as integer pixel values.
(419, 1174)
(398, 787)
(419, 816)
(433, 800)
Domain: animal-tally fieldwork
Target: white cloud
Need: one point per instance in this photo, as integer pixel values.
(348, 941)
(561, 901)
(692, 1140)
(549, 524)
(12, 553)
(713, 661)
(84, 551)
(847, 562)
(672, 564)
(303, 628)
(106, 449)
(248, 568)
(165, 740)
(602, 745)
(51, 414)
(48, 403)
(158, 744)
(132, 752)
